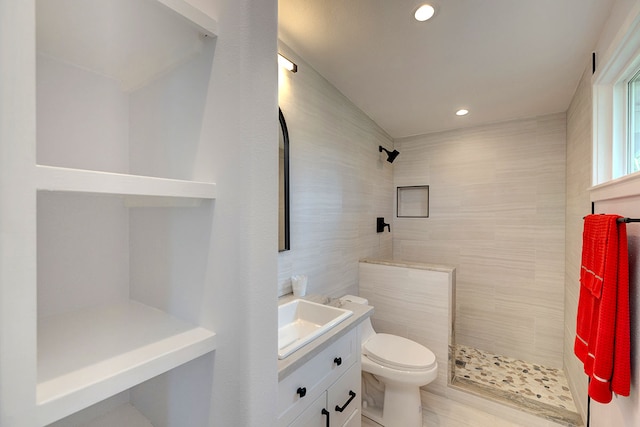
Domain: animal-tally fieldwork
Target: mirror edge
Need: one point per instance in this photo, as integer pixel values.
(285, 137)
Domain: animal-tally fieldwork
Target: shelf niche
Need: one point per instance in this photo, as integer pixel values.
(122, 86)
(124, 209)
(93, 354)
(119, 295)
(145, 405)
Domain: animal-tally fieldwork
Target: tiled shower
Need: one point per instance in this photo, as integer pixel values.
(418, 301)
(496, 212)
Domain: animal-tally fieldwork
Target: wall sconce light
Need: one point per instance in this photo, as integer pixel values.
(286, 63)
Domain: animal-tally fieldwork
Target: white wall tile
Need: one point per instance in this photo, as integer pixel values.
(579, 125)
(462, 409)
(340, 184)
(497, 214)
(414, 303)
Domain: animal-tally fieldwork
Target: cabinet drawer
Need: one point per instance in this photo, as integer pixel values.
(343, 398)
(315, 376)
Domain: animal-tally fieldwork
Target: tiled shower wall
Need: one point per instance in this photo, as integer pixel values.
(497, 212)
(340, 183)
(579, 125)
(414, 301)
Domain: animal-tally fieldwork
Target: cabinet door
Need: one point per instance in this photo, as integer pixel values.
(344, 397)
(355, 420)
(315, 376)
(316, 415)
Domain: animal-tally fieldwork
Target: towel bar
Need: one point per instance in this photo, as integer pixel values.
(625, 220)
(628, 220)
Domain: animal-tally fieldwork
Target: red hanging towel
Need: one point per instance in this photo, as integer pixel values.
(602, 332)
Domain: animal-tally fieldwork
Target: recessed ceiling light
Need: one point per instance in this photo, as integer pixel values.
(462, 112)
(424, 12)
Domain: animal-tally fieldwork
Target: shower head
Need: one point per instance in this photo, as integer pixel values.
(391, 155)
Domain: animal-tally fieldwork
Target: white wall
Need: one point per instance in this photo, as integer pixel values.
(239, 152)
(240, 298)
(622, 411)
(496, 213)
(340, 183)
(17, 214)
(625, 411)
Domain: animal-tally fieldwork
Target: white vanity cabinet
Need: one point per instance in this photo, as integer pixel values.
(343, 398)
(325, 390)
(339, 406)
(316, 414)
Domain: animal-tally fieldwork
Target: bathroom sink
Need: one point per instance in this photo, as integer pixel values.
(301, 321)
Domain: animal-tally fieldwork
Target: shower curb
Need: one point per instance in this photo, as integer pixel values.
(516, 401)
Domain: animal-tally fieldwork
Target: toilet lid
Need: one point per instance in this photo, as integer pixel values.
(399, 352)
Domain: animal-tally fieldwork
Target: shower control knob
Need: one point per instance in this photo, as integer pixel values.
(302, 391)
(381, 225)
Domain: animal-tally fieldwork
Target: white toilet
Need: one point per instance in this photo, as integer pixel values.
(403, 366)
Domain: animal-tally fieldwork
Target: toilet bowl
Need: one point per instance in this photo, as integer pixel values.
(403, 366)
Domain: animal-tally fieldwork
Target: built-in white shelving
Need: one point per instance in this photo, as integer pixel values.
(132, 42)
(122, 86)
(124, 415)
(89, 355)
(52, 178)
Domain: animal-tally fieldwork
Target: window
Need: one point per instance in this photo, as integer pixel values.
(616, 101)
(633, 119)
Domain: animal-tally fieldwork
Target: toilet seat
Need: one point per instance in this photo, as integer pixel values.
(398, 352)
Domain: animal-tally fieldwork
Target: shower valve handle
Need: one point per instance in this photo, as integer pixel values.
(380, 225)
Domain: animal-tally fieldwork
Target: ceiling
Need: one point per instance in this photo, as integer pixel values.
(500, 59)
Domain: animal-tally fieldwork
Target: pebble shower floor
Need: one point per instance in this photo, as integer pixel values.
(531, 387)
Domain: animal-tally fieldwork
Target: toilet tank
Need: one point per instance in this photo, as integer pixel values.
(367, 327)
(355, 299)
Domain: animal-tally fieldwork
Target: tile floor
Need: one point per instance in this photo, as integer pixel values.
(366, 422)
(495, 391)
(531, 387)
(535, 382)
